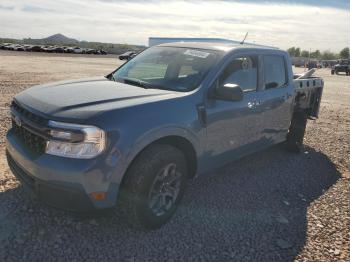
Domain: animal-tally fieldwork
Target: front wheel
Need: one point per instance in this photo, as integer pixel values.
(296, 132)
(154, 186)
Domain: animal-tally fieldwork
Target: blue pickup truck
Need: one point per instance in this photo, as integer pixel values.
(133, 138)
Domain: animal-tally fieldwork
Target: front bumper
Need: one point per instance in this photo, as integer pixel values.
(61, 196)
(62, 182)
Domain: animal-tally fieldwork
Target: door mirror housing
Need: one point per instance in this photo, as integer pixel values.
(230, 92)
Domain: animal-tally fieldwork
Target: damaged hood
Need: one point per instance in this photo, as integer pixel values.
(70, 99)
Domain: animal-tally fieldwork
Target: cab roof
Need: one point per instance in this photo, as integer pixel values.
(225, 47)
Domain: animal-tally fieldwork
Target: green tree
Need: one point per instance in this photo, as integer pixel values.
(316, 54)
(328, 55)
(294, 51)
(345, 53)
(291, 51)
(305, 53)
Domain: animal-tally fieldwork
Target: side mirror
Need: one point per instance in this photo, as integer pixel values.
(230, 92)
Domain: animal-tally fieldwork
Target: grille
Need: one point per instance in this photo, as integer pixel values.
(29, 115)
(33, 142)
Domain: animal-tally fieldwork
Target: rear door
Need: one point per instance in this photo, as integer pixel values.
(276, 97)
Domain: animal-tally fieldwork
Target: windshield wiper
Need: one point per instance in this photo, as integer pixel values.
(140, 83)
(110, 77)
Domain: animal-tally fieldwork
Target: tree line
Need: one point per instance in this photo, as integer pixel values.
(317, 54)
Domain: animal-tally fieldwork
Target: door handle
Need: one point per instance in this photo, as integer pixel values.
(254, 104)
(251, 105)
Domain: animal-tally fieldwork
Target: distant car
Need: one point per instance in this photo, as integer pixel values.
(342, 66)
(15, 47)
(35, 48)
(27, 47)
(68, 49)
(57, 49)
(50, 49)
(312, 64)
(127, 55)
(10, 47)
(20, 48)
(100, 52)
(46, 48)
(78, 50)
(89, 51)
(4, 46)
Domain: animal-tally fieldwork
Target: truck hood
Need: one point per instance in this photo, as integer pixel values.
(83, 97)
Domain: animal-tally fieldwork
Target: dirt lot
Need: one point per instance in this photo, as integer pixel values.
(271, 206)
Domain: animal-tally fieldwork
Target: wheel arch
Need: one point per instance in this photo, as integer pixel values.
(179, 142)
(186, 147)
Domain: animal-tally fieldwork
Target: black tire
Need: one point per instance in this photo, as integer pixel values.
(296, 132)
(142, 177)
(336, 72)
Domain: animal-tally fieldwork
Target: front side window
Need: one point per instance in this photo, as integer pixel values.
(172, 68)
(274, 71)
(242, 71)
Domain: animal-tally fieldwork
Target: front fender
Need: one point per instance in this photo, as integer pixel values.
(127, 156)
(155, 134)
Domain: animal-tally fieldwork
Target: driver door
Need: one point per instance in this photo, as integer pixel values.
(234, 128)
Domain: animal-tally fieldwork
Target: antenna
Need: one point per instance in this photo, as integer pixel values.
(244, 39)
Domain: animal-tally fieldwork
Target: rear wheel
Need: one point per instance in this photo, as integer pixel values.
(154, 186)
(296, 132)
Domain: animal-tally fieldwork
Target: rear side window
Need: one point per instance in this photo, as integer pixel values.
(242, 71)
(274, 71)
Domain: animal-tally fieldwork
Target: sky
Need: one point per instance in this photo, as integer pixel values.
(315, 24)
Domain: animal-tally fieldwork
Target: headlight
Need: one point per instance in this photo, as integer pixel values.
(75, 141)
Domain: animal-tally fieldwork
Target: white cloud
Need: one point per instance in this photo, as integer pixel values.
(281, 25)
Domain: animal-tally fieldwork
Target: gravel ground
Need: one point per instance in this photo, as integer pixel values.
(271, 206)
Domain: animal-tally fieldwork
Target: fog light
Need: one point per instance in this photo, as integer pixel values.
(98, 195)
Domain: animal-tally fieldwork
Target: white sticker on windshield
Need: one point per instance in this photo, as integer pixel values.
(197, 53)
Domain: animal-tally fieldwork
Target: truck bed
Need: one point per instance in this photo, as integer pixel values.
(308, 94)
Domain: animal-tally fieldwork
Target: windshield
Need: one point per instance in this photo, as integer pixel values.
(171, 68)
